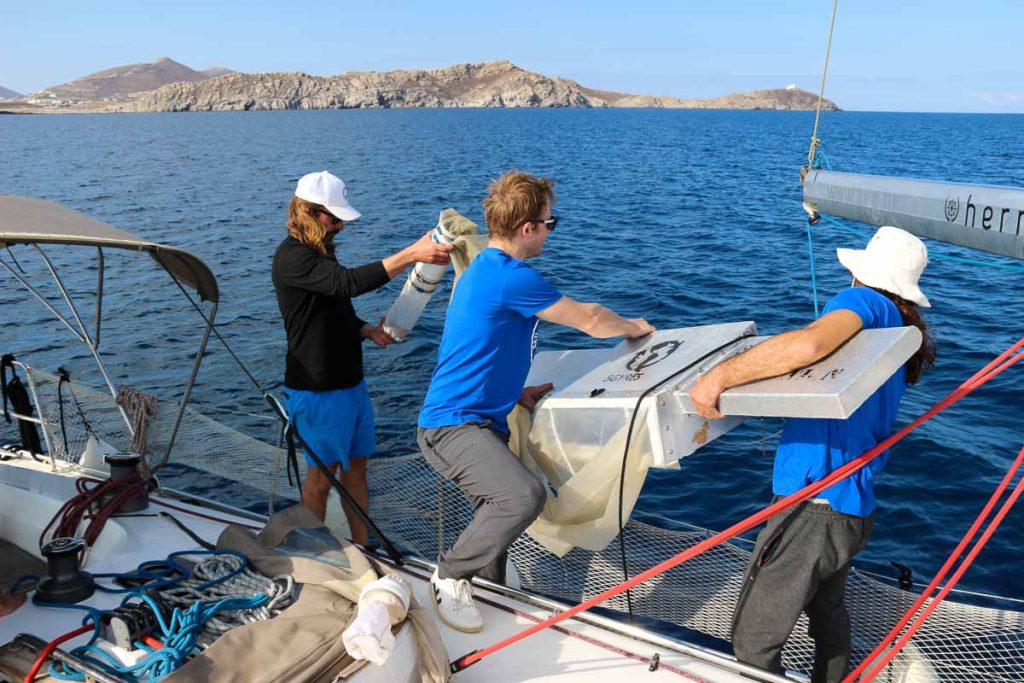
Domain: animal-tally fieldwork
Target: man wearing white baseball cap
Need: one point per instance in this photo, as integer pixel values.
(325, 393)
(802, 556)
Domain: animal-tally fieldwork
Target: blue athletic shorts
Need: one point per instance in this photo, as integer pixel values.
(337, 424)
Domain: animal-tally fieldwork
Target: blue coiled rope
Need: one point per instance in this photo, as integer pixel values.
(180, 634)
(158, 574)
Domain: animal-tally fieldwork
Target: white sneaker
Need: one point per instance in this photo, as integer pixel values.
(453, 600)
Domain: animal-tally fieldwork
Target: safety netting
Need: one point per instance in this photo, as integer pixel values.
(248, 472)
(421, 514)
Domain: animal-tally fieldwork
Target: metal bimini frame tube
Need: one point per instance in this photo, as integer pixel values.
(99, 294)
(82, 334)
(88, 340)
(191, 381)
(32, 290)
(93, 341)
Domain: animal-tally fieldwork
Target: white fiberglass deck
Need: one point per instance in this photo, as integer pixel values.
(575, 650)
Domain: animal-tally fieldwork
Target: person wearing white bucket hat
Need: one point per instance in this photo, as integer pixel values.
(325, 394)
(893, 262)
(802, 557)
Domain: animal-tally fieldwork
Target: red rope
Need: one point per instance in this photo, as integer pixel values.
(50, 647)
(95, 504)
(993, 525)
(996, 366)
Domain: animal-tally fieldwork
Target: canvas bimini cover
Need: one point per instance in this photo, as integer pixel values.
(25, 220)
(985, 217)
(36, 222)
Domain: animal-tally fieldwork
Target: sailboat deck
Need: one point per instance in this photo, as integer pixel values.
(575, 650)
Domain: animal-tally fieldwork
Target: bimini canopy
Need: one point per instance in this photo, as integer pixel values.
(35, 221)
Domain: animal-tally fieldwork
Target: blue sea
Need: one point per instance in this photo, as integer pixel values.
(682, 217)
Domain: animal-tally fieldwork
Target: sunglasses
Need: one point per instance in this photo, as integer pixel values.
(550, 223)
(334, 219)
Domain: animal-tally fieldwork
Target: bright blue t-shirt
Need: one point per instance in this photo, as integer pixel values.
(812, 448)
(486, 347)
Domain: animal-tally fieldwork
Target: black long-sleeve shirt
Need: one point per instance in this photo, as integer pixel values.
(314, 293)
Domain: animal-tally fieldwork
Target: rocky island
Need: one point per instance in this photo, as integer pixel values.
(168, 86)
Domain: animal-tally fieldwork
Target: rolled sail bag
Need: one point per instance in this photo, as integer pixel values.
(424, 278)
(304, 642)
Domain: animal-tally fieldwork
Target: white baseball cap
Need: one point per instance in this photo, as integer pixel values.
(329, 191)
(893, 261)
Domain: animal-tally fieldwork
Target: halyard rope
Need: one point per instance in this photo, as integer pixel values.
(821, 91)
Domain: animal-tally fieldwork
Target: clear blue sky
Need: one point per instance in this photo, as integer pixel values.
(893, 55)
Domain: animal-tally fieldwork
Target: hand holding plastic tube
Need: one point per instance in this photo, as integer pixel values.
(424, 277)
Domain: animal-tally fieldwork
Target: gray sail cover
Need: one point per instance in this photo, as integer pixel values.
(25, 220)
(985, 217)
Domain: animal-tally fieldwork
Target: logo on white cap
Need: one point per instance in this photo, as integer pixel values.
(329, 191)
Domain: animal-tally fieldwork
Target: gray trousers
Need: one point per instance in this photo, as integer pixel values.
(800, 564)
(506, 496)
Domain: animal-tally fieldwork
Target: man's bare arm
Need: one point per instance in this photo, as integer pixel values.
(594, 319)
(776, 356)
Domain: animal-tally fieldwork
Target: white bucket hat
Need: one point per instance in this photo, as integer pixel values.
(329, 191)
(893, 261)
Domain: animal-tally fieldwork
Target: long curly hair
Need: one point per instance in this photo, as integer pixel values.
(304, 225)
(911, 314)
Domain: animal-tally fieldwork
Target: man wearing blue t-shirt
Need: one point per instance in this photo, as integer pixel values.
(802, 556)
(482, 364)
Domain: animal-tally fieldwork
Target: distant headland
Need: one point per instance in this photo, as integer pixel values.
(169, 86)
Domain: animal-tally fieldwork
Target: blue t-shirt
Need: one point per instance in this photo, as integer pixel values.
(812, 448)
(486, 347)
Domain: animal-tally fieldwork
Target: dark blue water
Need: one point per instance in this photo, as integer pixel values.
(683, 217)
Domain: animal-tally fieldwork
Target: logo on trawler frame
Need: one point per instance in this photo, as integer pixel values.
(648, 357)
(952, 208)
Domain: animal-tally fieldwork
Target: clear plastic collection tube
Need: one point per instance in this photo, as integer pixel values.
(422, 281)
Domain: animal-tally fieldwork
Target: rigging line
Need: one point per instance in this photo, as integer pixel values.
(964, 566)
(283, 417)
(739, 540)
(814, 275)
(217, 334)
(889, 639)
(931, 253)
(993, 368)
(821, 91)
(960, 591)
